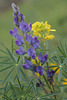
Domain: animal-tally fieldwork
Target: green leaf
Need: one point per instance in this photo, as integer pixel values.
(8, 51)
(60, 73)
(18, 73)
(65, 61)
(12, 45)
(14, 89)
(6, 68)
(47, 82)
(48, 95)
(5, 80)
(19, 82)
(23, 75)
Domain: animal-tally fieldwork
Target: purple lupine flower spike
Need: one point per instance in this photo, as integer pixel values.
(39, 70)
(19, 40)
(14, 33)
(21, 51)
(31, 52)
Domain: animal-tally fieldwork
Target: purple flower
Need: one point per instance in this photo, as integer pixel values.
(22, 17)
(28, 64)
(29, 27)
(14, 33)
(16, 21)
(34, 42)
(19, 40)
(50, 73)
(39, 70)
(42, 58)
(21, 51)
(29, 38)
(24, 27)
(31, 52)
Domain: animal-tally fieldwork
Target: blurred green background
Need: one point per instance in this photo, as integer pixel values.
(52, 11)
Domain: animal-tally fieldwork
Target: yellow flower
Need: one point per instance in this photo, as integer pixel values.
(42, 30)
(54, 68)
(37, 74)
(48, 37)
(65, 83)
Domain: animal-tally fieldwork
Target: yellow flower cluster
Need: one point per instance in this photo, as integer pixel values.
(42, 30)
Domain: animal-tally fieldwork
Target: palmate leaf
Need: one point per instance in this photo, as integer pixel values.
(23, 75)
(8, 75)
(29, 87)
(6, 68)
(8, 51)
(62, 50)
(19, 73)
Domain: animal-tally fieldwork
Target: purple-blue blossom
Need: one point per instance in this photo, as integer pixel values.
(14, 33)
(33, 41)
(19, 40)
(24, 27)
(42, 58)
(39, 70)
(21, 51)
(28, 64)
(50, 73)
(31, 52)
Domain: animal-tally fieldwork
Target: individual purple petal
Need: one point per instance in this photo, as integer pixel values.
(25, 66)
(14, 33)
(39, 70)
(29, 27)
(18, 43)
(23, 26)
(21, 51)
(45, 58)
(20, 38)
(31, 52)
(15, 30)
(48, 73)
(28, 38)
(16, 21)
(22, 17)
(18, 52)
(36, 45)
(28, 63)
(34, 40)
(40, 57)
(52, 73)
